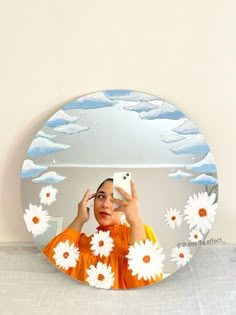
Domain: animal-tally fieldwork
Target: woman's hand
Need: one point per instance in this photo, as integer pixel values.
(83, 209)
(129, 205)
(83, 212)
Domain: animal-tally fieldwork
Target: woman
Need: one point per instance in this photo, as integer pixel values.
(114, 257)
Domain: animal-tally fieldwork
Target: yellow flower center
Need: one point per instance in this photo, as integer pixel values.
(173, 218)
(202, 212)
(100, 277)
(66, 255)
(146, 259)
(35, 220)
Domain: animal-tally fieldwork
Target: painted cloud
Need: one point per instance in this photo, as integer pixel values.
(30, 169)
(130, 96)
(49, 177)
(41, 146)
(116, 94)
(166, 111)
(44, 135)
(169, 138)
(179, 174)
(193, 145)
(187, 128)
(60, 118)
(204, 180)
(141, 107)
(207, 165)
(70, 129)
(93, 101)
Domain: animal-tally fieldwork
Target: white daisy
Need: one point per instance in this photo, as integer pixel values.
(180, 255)
(195, 236)
(36, 219)
(101, 276)
(173, 218)
(200, 211)
(145, 259)
(102, 244)
(48, 195)
(66, 255)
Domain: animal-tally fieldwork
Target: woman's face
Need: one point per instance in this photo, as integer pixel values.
(103, 207)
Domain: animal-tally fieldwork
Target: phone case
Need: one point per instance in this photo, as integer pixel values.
(121, 179)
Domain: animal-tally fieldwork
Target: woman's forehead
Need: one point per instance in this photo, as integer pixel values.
(107, 187)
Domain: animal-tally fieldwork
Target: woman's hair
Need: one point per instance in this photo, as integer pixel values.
(106, 180)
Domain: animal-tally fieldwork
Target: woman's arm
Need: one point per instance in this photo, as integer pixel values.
(130, 207)
(136, 232)
(82, 214)
(72, 232)
(153, 274)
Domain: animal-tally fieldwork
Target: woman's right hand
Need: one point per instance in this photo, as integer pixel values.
(83, 212)
(83, 209)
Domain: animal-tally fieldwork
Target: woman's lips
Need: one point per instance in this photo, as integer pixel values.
(104, 214)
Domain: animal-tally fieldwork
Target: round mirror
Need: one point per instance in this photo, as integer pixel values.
(149, 231)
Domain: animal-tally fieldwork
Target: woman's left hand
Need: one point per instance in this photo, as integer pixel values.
(129, 205)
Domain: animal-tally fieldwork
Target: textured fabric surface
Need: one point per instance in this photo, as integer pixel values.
(118, 236)
(29, 284)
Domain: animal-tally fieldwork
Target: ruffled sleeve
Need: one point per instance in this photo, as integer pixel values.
(139, 269)
(69, 237)
(149, 233)
(131, 266)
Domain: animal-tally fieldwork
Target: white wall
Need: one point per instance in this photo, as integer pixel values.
(53, 51)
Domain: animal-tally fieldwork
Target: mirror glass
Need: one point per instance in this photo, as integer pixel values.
(158, 227)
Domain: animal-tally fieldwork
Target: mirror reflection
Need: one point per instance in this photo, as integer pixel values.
(161, 223)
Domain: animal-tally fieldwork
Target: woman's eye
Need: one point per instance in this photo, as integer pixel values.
(100, 196)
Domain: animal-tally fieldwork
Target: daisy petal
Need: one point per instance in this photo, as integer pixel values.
(173, 218)
(145, 260)
(66, 255)
(102, 244)
(36, 220)
(100, 276)
(200, 211)
(180, 255)
(48, 195)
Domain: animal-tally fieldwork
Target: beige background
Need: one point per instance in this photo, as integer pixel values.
(54, 51)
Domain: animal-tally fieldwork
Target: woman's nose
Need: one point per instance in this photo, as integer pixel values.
(107, 203)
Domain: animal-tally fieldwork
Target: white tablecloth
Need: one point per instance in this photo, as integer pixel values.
(29, 284)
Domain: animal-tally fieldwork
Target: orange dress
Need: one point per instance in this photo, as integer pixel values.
(99, 257)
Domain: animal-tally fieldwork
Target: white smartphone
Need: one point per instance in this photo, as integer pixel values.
(122, 180)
